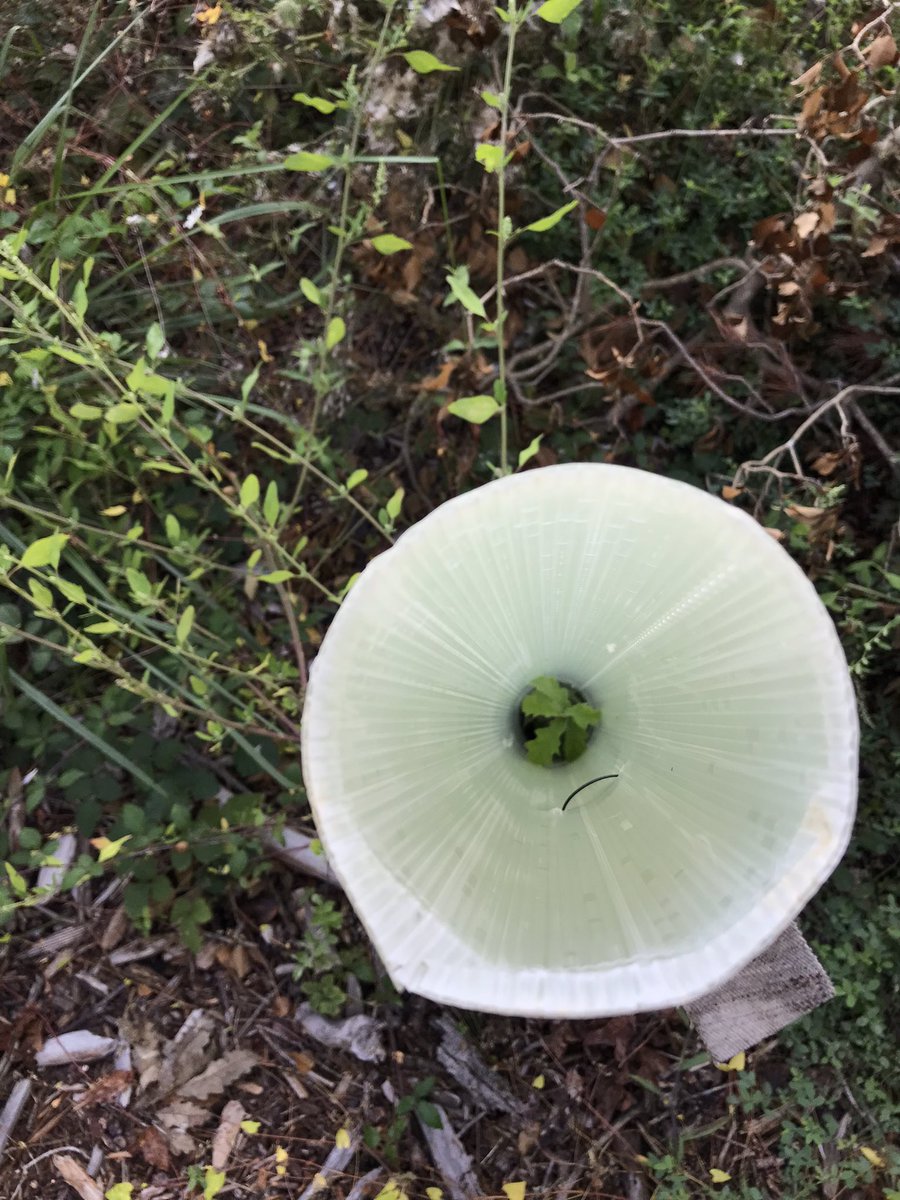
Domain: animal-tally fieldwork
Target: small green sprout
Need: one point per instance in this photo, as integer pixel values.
(556, 722)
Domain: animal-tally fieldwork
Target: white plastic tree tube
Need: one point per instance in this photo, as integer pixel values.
(727, 713)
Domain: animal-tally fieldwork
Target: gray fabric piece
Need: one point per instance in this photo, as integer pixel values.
(783, 984)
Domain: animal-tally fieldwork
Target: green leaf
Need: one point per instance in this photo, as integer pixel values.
(556, 11)
(71, 356)
(492, 99)
(554, 218)
(270, 504)
(107, 849)
(389, 243)
(530, 450)
(103, 627)
(185, 623)
(311, 292)
(584, 715)
(543, 748)
(43, 597)
(428, 1114)
(536, 705)
(574, 742)
(139, 379)
(154, 340)
(120, 414)
(424, 63)
(393, 506)
(459, 286)
(316, 102)
(490, 156)
(475, 409)
(140, 585)
(250, 1126)
(16, 882)
(356, 478)
(71, 591)
(45, 551)
(85, 412)
(335, 333)
(80, 299)
(276, 576)
(305, 161)
(249, 491)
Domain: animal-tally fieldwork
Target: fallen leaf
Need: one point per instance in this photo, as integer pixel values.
(731, 493)
(154, 1149)
(230, 1125)
(873, 1157)
(115, 510)
(209, 16)
(515, 1191)
(736, 1063)
(219, 1075)
(120, 1191)
(342, 1139)
(213, 1183)
(186, 1055)
(105, 1089)
(441, 381)
(77, 1177)
(718, 1176)
(826, 464)
(538, 1082)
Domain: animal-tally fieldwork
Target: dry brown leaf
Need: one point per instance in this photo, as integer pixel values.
(809, 76)
(731, 493)
(226, 1135)
(826, 464)
(303, 1062)
(281, 1006)
(876, 246)
(154, 1149)
(441, 381)
(176, 1119)
(882, 52)
(77, 1177)
(806, 223)
(105, 1090)
(219, 1075)
(144, 1040)
(777, 534)
(188, 1052)
(235, 959)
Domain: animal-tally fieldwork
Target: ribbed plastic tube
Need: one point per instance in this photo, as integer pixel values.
(728, 714)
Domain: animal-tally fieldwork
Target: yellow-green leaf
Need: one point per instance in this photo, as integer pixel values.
(736, 1063)
(311, 292)
(530, 450)
(270, 504)
(389, 243)
(342, 1139)
(424, 63)
(304, 160)
(393, 506)
(316, 102)
(538, 1082)
(16, 882)
(556, 11)
(490, 156)
(249, 491)
(277, 576)
(250, 1126)
(434, 1193)
(718, 1176)
(492, 99)
(114, 510)
(103, 627)
(184, 626)
(107, 849)
(120, 1191)
(515, 1191)
(119, 414)
(45, 551)
(71, 591)
(213, 1183)
(873, 1157)
(335, 332)
(459, 286)
(475, 409)
(43, 597)
(545, 223)
(85, 412)
(355, 478)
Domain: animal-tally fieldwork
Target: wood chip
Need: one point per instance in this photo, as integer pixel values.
(461, 1061)
(226, 1135)
(450, 1158)
(12, 1110)
(78, 1046)
(77, 1177)
(361, 1035)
